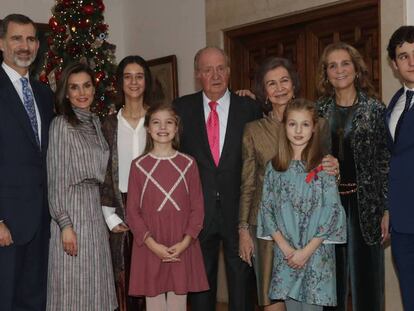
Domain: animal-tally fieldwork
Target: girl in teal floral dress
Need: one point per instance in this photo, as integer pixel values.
(302, 213)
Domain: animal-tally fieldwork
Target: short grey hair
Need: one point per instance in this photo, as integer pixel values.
(201, 51)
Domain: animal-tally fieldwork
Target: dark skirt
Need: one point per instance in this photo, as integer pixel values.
(121, 249)
(359, 267)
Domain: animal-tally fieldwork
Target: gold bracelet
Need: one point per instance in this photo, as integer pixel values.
(244, 226)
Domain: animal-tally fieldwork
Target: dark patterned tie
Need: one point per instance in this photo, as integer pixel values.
(28, 103)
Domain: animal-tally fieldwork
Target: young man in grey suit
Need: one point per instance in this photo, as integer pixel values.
(213, 122)
(26, 109)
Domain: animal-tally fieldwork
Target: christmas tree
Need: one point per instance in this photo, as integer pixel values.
(78, 33)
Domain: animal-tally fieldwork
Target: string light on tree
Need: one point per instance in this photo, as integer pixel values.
(79, 33)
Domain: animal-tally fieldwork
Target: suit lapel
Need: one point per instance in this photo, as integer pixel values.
(43, 123)
(388, 113)
(13, 101)
(200, 124)
(230, 130)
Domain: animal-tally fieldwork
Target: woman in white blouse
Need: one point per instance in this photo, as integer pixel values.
(126, 137)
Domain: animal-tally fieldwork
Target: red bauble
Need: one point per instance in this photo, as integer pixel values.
(67, 3)
(49, 40)
(58, 74)
(88, 9)
(62, 29)
(103, 27)
(101, 6)
(99, 76)
(84, 23)
(43, 78)
(73, 50)
(53, 23)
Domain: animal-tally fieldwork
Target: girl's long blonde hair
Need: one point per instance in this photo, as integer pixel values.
(312, 154)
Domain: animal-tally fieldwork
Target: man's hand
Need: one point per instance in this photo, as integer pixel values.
(5, 235)
(385, 227)
(122, 227)
(69, 241)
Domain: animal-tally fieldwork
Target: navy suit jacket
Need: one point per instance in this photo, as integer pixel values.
(23, 181)
(401, 175)
(222, 180)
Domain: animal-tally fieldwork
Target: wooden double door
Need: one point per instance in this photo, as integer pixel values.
(302, 38)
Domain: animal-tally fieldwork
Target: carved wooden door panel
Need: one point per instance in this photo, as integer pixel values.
(302, 38)
(357, 28)
(284, 42)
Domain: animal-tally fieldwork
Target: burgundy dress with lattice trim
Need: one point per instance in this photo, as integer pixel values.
(165, 201)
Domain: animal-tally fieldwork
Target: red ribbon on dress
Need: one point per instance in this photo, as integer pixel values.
(313, 174)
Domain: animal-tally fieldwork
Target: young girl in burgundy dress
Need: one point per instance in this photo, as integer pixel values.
(165, 213)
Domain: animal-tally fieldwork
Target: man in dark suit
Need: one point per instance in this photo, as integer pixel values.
(400, 122)
(26, 109)
(213, 122)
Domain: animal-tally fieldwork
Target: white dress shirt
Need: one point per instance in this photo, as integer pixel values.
(15, 77)
(222, 111)
(131, 144)
(398, 110)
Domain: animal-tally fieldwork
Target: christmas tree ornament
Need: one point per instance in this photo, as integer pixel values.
(79, 33)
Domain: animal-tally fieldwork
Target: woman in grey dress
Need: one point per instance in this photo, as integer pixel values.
(80, 274)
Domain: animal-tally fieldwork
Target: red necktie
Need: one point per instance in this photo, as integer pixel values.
(213, 132)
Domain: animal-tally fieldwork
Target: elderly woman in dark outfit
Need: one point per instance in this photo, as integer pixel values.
(126, 137)
(358, 134)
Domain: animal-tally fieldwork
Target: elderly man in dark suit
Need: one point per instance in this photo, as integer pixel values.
(25, 114)
(213, 122)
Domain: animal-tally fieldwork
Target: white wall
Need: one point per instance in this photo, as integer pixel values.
(159, 28)
(410, 12)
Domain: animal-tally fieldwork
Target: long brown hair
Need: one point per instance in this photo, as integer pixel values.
(133, 59)
(149, 145)
(63, 105)
(362, 80)
(312, 154)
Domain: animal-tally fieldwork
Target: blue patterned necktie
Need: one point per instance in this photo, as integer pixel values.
(28, 103)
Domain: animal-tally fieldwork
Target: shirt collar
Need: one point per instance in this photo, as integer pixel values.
(406, 88)
(225, 99)
(13, 75)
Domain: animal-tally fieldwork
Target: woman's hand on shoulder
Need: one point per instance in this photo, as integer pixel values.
(246, 93)
(69, 241)
(330, 165)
